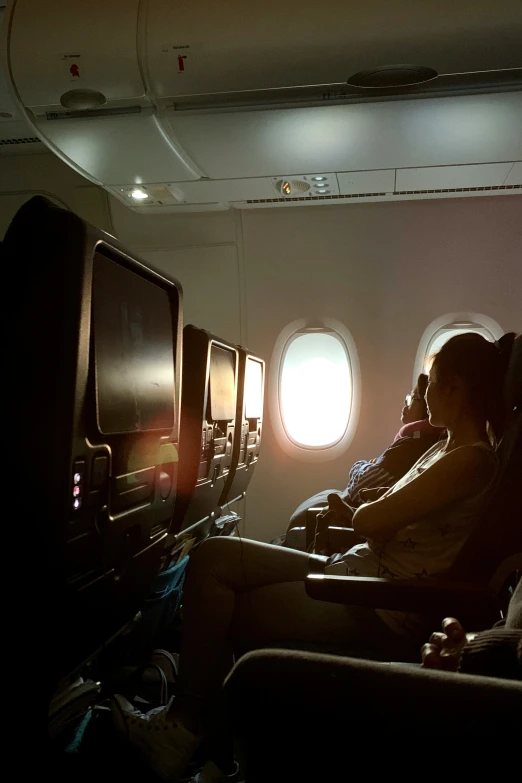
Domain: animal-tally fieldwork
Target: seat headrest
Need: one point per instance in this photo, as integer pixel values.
(514, 376)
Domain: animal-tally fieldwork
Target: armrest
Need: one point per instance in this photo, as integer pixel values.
(467, 601)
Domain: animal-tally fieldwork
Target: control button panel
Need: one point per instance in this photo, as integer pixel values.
(78, 484)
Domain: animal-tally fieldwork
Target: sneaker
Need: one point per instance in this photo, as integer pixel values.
(166, 746)
(212, 774)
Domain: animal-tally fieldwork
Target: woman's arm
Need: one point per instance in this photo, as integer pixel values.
(459, 474)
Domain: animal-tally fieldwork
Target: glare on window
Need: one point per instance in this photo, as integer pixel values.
(315, 389)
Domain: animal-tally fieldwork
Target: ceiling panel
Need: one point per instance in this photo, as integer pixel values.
(366, 182)
(484, 175)
(515, 175)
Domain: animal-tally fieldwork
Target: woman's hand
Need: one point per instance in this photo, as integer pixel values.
(443, 649)
(373, 494)
(340, 510)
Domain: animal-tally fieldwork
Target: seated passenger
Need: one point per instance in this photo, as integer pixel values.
(241, 595)
(493, 653)
(415, 437)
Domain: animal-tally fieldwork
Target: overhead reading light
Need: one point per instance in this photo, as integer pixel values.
(139, 194)
(318, 179)
(292, 187)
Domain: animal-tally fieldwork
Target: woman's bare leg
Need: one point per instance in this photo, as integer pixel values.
(252, 594)
(219, 571)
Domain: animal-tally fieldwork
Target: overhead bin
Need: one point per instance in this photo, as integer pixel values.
(129, 149)
(80, 82)
(227, 46)
(395, 134)
(57, 47)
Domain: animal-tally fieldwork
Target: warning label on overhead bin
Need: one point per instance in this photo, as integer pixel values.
(181, 54)
(72, 65)
(174, 47)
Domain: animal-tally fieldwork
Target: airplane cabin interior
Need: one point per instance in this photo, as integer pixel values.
(263, 269)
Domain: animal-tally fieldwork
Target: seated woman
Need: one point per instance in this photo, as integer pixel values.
(415, 437)
(241, 595)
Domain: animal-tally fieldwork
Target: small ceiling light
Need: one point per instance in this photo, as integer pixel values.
(318, 179)
(139, 194)
(323, 190)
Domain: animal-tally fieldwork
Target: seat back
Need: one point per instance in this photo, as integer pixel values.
(95, 342)
(207, 427)
(497, 539)
(249, 425)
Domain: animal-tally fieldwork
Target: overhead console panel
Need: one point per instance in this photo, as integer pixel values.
(173, 106)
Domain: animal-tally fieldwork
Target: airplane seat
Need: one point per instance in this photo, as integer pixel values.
(474, 588)
(207, 429)
(310, 716)
(248, 428)
(95, 367)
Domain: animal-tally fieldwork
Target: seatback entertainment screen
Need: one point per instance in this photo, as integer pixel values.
(134, 351)
(253, 389)
(222, 384)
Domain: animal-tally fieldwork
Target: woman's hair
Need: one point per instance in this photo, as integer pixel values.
(482, 365)
(421, 386)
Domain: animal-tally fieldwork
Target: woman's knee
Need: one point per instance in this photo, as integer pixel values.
(211, 552)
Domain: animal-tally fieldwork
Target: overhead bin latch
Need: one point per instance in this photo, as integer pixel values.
(82, 100)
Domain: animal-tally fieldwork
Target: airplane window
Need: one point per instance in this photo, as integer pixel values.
(315, 389)
(444, 334)
(441, 330)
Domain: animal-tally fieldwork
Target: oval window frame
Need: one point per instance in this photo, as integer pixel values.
(283, 438)
(456, 320)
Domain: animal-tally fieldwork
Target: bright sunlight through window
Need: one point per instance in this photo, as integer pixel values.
(443, 334)
(446, 326)
(315, 389)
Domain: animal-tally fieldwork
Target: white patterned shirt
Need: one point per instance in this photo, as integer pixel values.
(422, 549)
